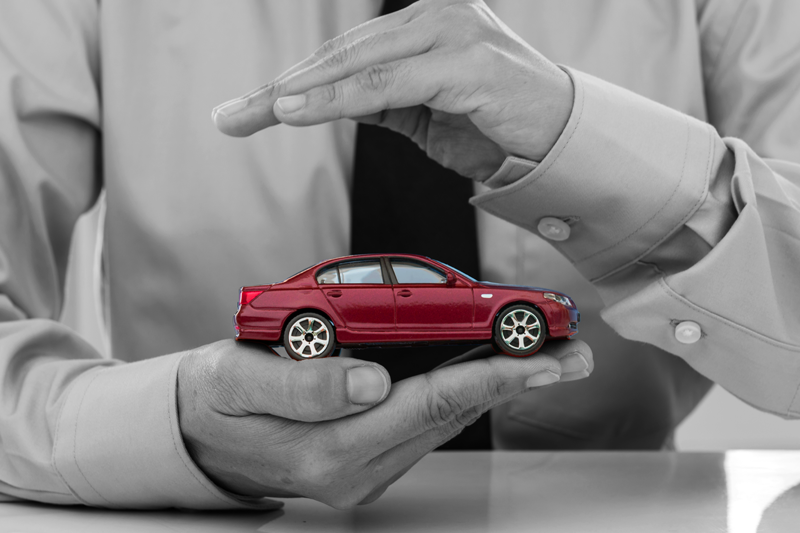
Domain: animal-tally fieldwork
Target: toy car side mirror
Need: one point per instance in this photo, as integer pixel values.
(451, 280)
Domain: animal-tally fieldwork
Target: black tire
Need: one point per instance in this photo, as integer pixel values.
(514, 342)
(299, 346)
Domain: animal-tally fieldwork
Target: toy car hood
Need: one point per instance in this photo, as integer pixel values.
(491, 285)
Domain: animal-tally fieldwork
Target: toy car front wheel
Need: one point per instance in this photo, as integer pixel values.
(519, 331)
(309, 336)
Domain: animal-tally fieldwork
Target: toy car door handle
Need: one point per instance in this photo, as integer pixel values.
(334, 294)
(405, 293)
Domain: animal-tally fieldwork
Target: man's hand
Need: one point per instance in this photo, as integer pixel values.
(329, 429)
(446, 73)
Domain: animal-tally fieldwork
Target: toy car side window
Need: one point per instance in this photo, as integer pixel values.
(361, 272)
(328, 276)
(413, 272)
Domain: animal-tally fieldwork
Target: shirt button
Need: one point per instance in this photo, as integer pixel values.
(688, 332)
(554, 229)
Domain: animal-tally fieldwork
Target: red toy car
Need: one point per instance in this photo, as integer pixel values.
(399, 299)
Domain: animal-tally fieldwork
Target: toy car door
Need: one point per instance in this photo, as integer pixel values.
(425, 301)
(357, 292)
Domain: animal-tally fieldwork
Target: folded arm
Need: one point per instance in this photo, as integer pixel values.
(683, 222)
(74, 428)
(673, 224)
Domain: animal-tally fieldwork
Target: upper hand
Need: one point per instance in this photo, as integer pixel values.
(329, 429)
(446, 73)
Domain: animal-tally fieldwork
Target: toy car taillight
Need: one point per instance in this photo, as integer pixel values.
(247, 296)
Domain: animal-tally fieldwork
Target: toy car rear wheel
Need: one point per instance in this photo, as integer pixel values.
(309, 336)
(519, 331)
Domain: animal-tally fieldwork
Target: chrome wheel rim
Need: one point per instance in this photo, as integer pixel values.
(520, 329)
(309, 337)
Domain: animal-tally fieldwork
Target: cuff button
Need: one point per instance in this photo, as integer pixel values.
(688, 332)
(554, 229)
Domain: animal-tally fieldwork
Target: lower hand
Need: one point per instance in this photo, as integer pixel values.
(446, 73)
(329, 429)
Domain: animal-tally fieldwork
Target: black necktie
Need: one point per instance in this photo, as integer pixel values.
(404, 201)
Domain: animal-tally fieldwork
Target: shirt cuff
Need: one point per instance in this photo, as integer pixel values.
(625, 174)
(118, 442)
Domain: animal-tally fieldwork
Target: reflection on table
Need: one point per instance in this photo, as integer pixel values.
(736, 492)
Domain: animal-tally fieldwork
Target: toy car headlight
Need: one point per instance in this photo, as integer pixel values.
(558, 298)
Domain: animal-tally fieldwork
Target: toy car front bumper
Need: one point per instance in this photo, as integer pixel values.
(574, 319)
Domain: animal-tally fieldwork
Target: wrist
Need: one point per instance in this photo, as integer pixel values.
(553, 107)
(194, 420)
(209, 435)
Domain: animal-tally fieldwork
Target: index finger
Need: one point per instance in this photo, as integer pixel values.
(421, 403)
(561, 349)
(376, 25)
(257, 104)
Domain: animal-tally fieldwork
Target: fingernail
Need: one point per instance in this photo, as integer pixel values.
(230, 108)
(574, 362)
(290, 104)
(541, 379)
(366, 385)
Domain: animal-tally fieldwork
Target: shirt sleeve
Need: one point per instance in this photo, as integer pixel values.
(74, 428)
(674, 222)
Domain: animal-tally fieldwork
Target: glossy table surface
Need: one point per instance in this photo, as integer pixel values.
(734, 492)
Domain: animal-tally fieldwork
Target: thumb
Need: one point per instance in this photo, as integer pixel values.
(308, 391)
